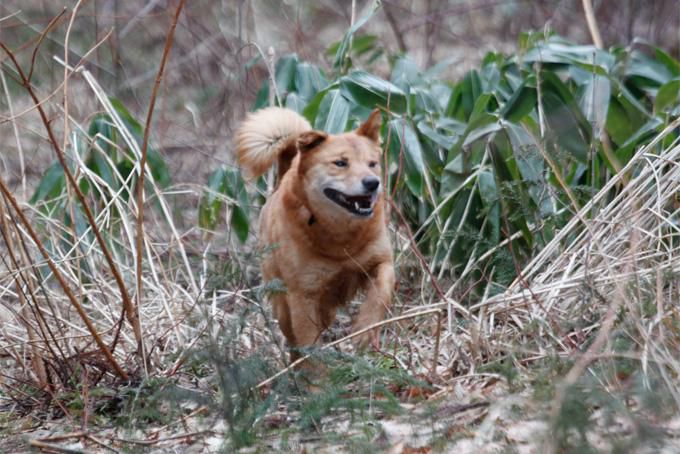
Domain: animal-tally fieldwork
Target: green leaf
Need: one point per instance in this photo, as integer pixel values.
(132, 124)
(102, 126)
(464, 96)
(103, 132)
(671, 64)
(647, 131)
(594, 101)
(488, 191)
(668, 96)
(210, 204)
(406, 74)
(559, 51)
(564, 126)
(640, 65)
(333, 113)
(529, 161)
(619, 126)
(158, 168)
(295, 102)
(522, 102)
(51, 185)
(403, 139)
(225, 181)
(262, 98)
(236, 189)
(451, 131)
(481, 132)
(285, 73)
(309, 80)
(371, 91)
(344, 47)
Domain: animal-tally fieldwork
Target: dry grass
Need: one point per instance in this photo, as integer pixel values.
(610, 274)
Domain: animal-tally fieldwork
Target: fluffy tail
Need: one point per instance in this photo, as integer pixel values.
(266, 135)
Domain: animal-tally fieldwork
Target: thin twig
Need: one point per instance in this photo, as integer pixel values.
(140, 181)
(127, 302)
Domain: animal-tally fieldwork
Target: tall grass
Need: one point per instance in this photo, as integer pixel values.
(509, 310)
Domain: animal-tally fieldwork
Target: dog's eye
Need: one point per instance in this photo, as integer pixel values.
(341, 163)
(372, 164)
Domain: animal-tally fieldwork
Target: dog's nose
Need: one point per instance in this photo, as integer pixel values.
(370, 183)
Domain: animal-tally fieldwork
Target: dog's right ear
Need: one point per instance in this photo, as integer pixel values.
(310, 139)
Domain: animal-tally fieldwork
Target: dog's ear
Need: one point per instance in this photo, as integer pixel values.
(310, 139)
(371, 127)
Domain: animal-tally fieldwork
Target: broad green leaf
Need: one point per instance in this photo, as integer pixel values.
(51, 185)
(647, 131)
(131, 122)
(406, 74)
(211, 204)
(344, 47)
(285, 73)
(102, 126)
(481, 132)
(311, 110)
(403, 140)
(643, 66)
(295, 102)
(362, 44)
(619, 125)
(235, 188)
(159, 169)
(488, 191)
(671, 64)
(531, 166)
(471, 89)
(522, 102)
(309, 80)
(103, 132)
(262, 98)
(594, 101)
(557, 50)
(333, 113)
(564, 126)
(668, 96)
(371, 91)
(445, 137)
(225, 181)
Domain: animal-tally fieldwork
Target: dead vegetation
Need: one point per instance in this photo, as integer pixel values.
(124, 332)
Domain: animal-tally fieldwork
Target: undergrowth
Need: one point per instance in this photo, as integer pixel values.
(535, 223)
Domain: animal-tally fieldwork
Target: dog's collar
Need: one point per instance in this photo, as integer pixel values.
(312, 220)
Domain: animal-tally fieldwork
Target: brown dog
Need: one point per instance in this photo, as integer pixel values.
(325, 220)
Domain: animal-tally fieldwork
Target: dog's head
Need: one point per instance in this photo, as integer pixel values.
(341, 173)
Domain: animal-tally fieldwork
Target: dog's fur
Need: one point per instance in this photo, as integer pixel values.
(323, 252)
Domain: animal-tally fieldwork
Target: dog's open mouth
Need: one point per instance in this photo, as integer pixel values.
(361, 205)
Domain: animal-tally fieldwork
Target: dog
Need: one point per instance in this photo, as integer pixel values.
(325, 224)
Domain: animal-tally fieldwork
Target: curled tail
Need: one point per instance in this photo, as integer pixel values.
(267, 135)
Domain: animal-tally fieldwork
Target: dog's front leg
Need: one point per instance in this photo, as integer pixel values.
(378, 299)
(306, 320)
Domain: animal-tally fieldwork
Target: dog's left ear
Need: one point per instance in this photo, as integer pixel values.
(310, 139)
(371, 127)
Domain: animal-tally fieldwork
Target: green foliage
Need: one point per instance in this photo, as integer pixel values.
(155, 400)
(490, 163)
(225, 182)
(107, 155)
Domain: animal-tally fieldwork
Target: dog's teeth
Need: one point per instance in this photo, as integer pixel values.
(356, 206)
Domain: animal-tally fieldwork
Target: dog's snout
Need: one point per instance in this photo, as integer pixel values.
(371, 183)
